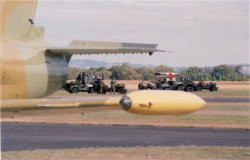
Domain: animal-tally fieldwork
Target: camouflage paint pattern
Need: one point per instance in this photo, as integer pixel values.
(26, 70)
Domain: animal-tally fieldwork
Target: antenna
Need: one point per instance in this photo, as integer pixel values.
(31, 21)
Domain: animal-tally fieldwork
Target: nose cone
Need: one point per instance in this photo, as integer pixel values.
(150, 102)
(125, 102)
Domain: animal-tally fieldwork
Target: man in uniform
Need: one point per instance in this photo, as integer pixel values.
(100, 86)
(112, 84)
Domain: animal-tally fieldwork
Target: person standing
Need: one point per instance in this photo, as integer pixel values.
(113, 83)
(100, 86)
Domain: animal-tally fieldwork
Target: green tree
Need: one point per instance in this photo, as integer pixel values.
(163, 68)
(195, 73)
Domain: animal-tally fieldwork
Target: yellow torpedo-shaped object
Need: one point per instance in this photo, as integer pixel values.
(150, 102)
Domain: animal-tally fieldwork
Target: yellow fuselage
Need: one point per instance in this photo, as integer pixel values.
(28, 72)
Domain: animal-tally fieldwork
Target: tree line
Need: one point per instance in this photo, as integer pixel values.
(126, 72)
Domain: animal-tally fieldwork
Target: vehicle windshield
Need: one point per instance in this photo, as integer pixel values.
(182, 78)
(178, 78)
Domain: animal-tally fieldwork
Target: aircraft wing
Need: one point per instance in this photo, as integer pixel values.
(95, 47)
(137, 102)
(71, 102)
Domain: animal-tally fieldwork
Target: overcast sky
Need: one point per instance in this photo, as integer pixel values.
(202, 33)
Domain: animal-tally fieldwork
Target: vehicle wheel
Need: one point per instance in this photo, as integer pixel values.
(190, 89)
(215, 88)
(122, 91)
(212, 89)
(140, 86)
(180, 88)
(104, 91)
(91, 90)
(74, 90)
(199, 88)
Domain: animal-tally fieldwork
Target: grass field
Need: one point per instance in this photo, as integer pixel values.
(231, 85)
(135, 153)
(205, 93)
(215, 115)
(224, 93)
(226, 89)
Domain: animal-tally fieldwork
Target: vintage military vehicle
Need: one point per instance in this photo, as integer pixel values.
(169, 81)
(208, 86)
(85, 82)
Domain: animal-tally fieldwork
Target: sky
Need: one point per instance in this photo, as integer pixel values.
(201, 33)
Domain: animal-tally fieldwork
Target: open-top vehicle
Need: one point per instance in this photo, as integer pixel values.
(209, 86)
(169, 81)
(84, 82)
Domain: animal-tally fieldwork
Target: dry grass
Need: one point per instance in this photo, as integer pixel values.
(224, 93)
(237, 85)
(234, 89)
(205, 93)
(135, 153)
(130, 84)
(219, 116)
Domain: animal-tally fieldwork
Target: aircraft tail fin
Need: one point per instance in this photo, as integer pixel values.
(17, 20)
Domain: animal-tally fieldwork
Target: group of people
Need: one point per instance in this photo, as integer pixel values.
(99, 86)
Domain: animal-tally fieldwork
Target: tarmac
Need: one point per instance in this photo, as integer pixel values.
(227, 99)
(31, 136)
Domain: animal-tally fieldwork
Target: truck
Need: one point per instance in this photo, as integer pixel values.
(85, 82)
(169, 81)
